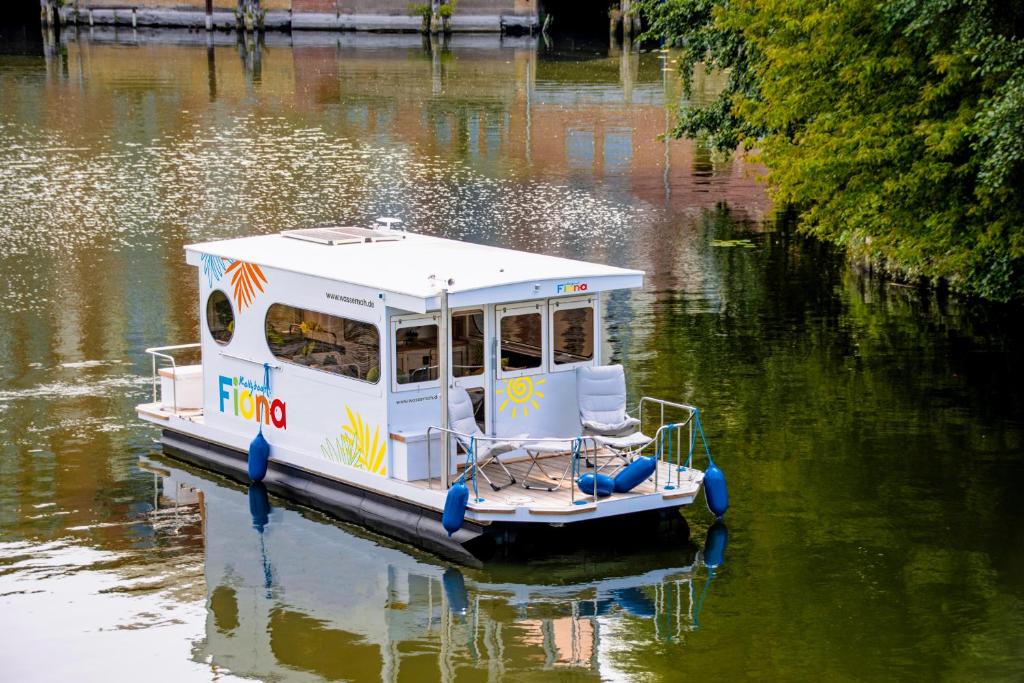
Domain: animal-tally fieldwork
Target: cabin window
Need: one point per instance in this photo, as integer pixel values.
(416, 353)
(478, 396)
(328, 343)
(220, 317)
(467, 343)
(572, 334)
(521, 331)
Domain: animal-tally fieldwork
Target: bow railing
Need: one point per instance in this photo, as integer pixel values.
(161, 353)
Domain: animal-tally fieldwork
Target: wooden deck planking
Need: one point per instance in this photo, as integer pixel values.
(561, 497)
(160, 412)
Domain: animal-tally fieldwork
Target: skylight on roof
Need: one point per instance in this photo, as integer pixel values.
(333, 236)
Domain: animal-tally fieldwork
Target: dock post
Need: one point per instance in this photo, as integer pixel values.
(442, 373)
(209, 15)
(435, 16)
(135, 23)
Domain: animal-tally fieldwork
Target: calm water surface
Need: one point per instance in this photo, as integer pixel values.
(873, 436)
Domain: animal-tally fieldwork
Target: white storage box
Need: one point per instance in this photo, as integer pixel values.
(181, 387)
(409, 455)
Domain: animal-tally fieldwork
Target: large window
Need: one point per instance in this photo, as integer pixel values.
(467, 343)
(416, 353)
(522, 337)
(220, 318)
(324, 342)
(573, 335)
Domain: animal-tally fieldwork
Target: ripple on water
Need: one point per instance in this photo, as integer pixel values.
(76, 598)
(64, 202)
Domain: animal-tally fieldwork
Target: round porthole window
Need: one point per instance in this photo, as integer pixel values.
(220, 317)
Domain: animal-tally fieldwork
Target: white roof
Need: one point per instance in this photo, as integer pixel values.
(411, 271)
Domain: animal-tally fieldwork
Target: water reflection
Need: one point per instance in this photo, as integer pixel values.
(288, 589)
(874, 436)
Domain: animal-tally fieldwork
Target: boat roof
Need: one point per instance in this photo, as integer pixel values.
(410, 269)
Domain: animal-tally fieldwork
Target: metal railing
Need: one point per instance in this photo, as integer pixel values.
(578, 446)
(664, 433)
(665, 447)
(156, 352)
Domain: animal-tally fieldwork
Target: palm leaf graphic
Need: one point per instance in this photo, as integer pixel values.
(245, 280)
(369, 451)
(213, 267)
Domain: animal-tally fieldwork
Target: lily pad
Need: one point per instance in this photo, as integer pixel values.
(733, 243)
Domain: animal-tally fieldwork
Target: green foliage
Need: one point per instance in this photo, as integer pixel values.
(893, 129)
(421, 10)
(447, 9)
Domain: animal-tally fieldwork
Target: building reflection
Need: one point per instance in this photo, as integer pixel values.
(292, 595)
(505, 104)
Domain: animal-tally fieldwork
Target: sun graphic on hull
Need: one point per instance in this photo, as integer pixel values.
(521, 392)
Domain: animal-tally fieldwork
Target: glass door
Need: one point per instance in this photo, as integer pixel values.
(468, 331)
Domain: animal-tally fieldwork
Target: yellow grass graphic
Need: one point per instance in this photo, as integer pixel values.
(369, 452)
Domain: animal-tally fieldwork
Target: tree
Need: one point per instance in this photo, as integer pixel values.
(893, 129)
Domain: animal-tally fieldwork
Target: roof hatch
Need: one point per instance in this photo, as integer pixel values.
(337, 235)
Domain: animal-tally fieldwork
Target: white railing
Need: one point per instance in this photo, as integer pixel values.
(160, 352)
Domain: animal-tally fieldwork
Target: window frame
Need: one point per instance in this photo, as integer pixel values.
(399, 322)
(206, 317)
(503, 311)
(318, 371)
(486, 343)
(555, 305)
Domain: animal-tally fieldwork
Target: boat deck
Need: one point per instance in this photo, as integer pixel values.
(673, 487)
(159, 411)
(563, 499)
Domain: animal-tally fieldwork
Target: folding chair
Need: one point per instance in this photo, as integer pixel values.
(462, 420)
(601, 394)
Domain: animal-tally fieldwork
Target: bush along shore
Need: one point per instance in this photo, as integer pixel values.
(895, 130)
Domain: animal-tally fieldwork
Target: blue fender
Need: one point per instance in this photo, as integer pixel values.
(455, 507)
(714, 545)
(259, 505)
(455, 590)
(634, 474)
(259, 458)
(715, 491)
(635, 601)
(604, 484)
(595, 608)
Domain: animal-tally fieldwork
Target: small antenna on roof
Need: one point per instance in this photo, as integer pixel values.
(388, 223)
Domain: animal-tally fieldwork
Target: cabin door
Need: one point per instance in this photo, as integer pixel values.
(469, 367)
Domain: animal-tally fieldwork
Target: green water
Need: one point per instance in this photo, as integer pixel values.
(872, 435)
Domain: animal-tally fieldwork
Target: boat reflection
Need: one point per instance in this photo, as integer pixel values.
(293, 595)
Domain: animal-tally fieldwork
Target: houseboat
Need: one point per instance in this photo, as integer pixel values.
(448, 394)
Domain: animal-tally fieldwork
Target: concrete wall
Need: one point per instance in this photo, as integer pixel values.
(401, 7)
(341, 15)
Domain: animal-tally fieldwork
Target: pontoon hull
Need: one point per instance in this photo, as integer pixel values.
(419, 526)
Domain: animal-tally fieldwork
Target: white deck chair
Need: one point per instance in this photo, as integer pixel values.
(601, 393)
(462, 420)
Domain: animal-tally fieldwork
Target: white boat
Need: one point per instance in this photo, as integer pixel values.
(331, 342)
